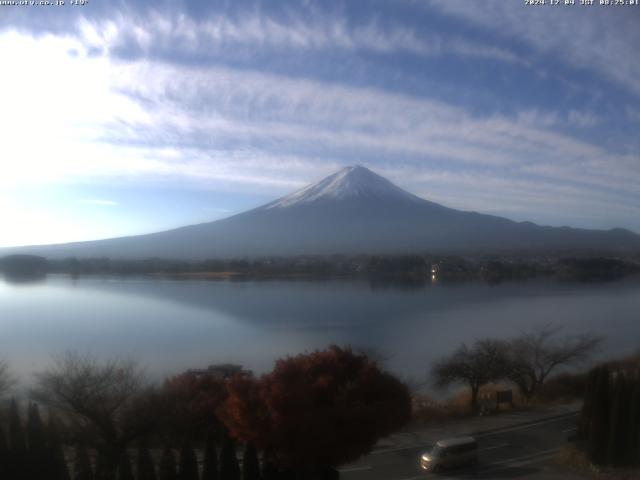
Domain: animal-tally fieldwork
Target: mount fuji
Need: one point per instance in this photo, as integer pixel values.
(352, 211)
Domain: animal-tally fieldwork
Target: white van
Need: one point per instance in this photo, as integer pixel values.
(450, 453)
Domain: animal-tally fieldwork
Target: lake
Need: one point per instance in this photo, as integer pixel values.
(172, 325)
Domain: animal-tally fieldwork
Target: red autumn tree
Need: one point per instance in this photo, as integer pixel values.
(191, 401)
(317, 410)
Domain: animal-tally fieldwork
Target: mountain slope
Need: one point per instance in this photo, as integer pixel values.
(351, 211)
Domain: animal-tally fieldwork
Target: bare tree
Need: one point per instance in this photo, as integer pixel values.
(99, 400)
(535, 354)
(485, 361)
(6, 379)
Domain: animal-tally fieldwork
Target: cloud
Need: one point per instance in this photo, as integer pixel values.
(595, 38)
(102, 203)
(215, 36)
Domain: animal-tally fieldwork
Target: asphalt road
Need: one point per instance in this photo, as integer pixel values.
(517, 451)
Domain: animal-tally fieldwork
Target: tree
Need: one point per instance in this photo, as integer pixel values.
(6, 380)
(57, 463)
(191, 401)
(610, 426)
(188, 462)
(317, 411)
(485, 361)
(104, 470)
(599, 421)
(619, 423)
(4, 457)
(37, 443)
(35, 431)
(82, 468)
(633, 456)
(210, 462)
(250, 463)
(98, 398)
(167, 465)
(144, 468)
(124, 468)
(229, 468)
(17, 440)
(535, 354)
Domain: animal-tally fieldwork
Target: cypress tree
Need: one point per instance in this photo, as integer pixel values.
(124, 467)
(37, 444)
(269, 467)
(188, 462)
(167, 465)
(250, 463)
(35, 430)
(82, 467)
(17, 443)
(210, 462)
(599, 428)
(58, 464)
(587, 406)
(617, 442)
(103, 472)
(229, 468)
(145, 469)
(19, 467)
(4, 456)
(634, 424)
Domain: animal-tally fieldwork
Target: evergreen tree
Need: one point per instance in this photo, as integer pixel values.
(167, 465)
(4, 456)
(633, 457)
(587, 405)
(17, 443)
(37, 444)
(82, 468)
(103, 470)
(188, 462)
(617, 442)
(210, 463)
(36, 438)
(57, 463)
(145, 469)
(269, 469)
(229, 468)
(124, 467)
(599, 426)
(250, 464)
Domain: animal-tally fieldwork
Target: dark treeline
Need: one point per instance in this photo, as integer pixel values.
(311, 414)
(609, 429)
(424, 268)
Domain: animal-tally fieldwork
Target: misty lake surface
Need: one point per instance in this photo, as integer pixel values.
(171, 325)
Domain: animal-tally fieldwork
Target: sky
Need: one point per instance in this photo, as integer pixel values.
(121, 118)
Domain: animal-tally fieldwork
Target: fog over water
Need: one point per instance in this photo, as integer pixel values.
(173, 325)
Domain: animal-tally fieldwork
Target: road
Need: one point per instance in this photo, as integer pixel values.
(520, 450)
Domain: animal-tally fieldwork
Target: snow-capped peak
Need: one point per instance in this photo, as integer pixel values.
(350, 182)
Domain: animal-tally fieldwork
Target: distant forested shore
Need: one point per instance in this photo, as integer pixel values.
(412, 268)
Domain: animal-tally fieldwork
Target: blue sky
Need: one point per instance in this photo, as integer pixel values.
(121, 119)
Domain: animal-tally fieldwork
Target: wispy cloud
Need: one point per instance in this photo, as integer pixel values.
(595, 38)
(216, 36)
(102, 203)
(218, 124)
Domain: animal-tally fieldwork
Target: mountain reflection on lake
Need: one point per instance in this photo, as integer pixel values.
(173, 325)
